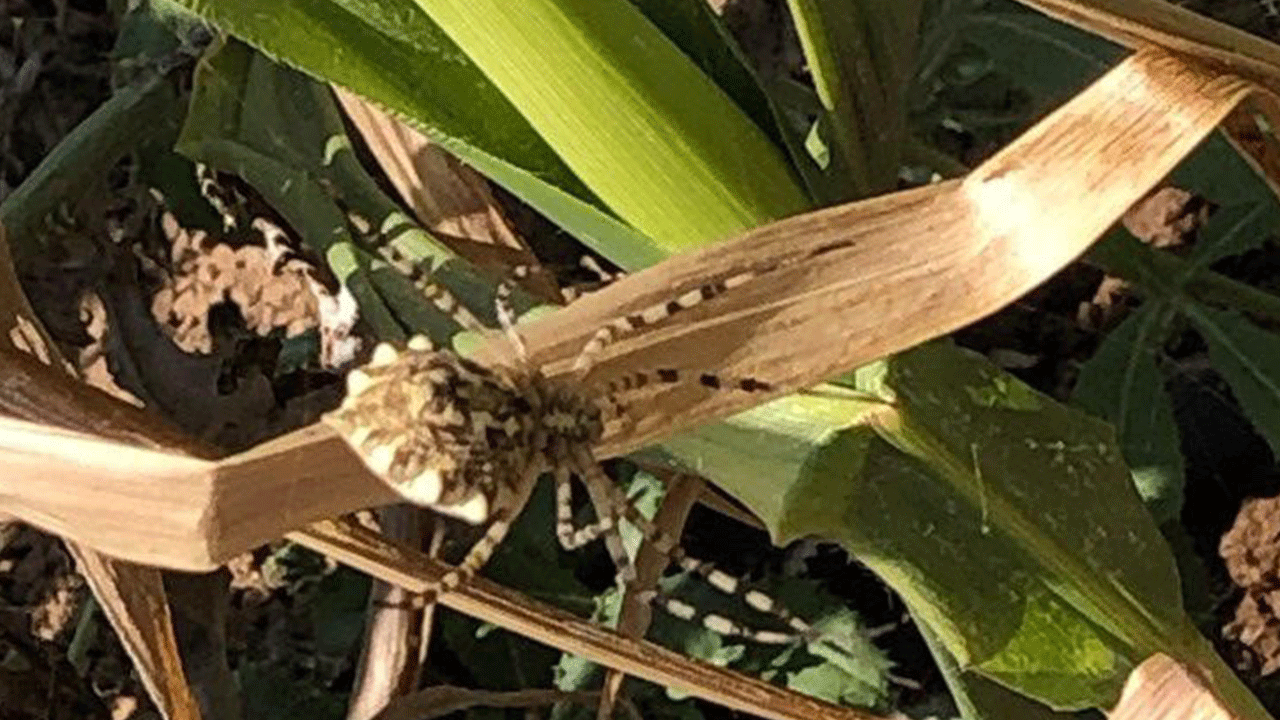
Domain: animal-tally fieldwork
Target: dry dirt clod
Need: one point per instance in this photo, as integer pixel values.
(269, 289)
(1167, 218)
(1251, 550)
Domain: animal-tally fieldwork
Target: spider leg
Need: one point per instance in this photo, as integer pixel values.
(651, 315)
(505, 509)
(418, 272)
(572, 537)
(620, 505)
(507, 314)
(615, 391)
(658, 312)
(632, 382)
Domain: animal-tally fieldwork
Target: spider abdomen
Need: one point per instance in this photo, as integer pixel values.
(453, 435)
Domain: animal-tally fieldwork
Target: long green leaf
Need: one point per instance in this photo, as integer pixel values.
(392, 54)
(1007, 521)
(653, 137)
(861, 54)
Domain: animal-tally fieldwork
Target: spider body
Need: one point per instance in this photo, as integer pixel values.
(470, 441)
(448, 433)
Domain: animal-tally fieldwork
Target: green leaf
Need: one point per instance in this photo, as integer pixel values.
(152, 30)
(979, 698)
(1248, 358)
(861, 54)
(145, 110)
(618, 101)
(1006, 521)
(1122, 385)
(1063, 57)
(1236, 230)
(698, 32)
(392, 54)
(271, 692)
(695, 29)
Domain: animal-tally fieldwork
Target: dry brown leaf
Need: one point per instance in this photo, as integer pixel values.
(131, 596)
(93, 362)
(1146, 23)
(682, 492)
(442, 700)
(1161, 688)
(133, 599)
(1261, 150)
(1167, 217)
(448, 198)
(397, 626)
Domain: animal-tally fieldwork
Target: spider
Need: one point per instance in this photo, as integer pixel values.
(470, 441)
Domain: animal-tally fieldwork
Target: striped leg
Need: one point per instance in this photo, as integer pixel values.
(798, 631)
(507, 314)
(658, 312)
(651, 315)
(506, 508)
(617, 389)
(418, 273)
(220, 197)
(670, 376)
(603, 278)
(570, 536)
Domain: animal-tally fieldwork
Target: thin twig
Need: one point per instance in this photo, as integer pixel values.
(367, 551)
(441, 700)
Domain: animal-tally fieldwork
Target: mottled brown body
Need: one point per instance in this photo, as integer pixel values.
(451, 434)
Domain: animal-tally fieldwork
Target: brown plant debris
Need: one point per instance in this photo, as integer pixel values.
(269, 286)
(1251, 550)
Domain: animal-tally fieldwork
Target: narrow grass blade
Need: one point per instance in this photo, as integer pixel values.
(620, 103)
(861, 54)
